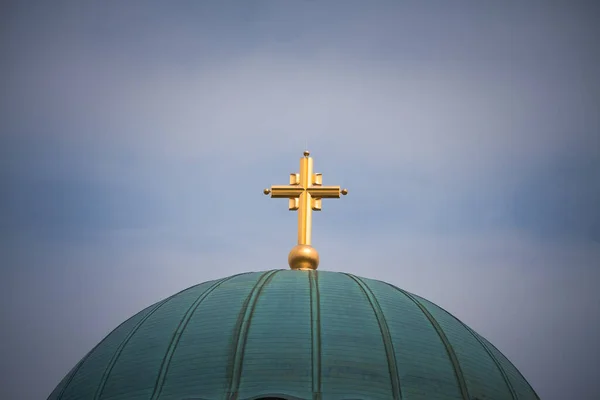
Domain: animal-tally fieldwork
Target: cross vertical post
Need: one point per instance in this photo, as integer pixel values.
(305, 210)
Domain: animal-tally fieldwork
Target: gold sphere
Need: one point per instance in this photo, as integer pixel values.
(344, 191)
(306, 153)
(267, 191)
(303, 257)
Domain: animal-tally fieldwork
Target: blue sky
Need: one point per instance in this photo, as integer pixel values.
(136, 140)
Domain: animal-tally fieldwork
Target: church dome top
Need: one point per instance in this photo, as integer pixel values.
(295, 335)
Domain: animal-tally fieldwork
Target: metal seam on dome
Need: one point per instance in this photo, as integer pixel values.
(119, 350)
(494, 358)
(315, 332)
(164, 367)
(449, 349)
(237, 328)
(236, 332)
(516, 369)
(502, 371)
(241, 333)
(72, 373)
(75, 369)
(386, 336)
(80, 363)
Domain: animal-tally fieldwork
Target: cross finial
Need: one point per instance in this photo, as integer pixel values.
(305, 193)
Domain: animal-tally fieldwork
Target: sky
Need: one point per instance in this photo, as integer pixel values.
(136, 139)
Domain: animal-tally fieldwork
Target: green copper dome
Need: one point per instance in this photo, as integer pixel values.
(293, 335)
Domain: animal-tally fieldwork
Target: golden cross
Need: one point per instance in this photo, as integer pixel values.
(305, 192)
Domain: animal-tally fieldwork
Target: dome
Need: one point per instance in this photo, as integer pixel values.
(293, 335)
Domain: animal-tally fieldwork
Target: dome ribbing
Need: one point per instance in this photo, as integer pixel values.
(295, 335)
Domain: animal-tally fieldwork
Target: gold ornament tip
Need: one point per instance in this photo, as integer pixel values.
(267, 191)
(306, 153)
(303, 257)
(344, 191)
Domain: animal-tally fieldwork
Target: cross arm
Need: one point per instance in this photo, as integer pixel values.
(285, 191)
(325, 192)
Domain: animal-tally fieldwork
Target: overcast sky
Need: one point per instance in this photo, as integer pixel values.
(136, 140)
